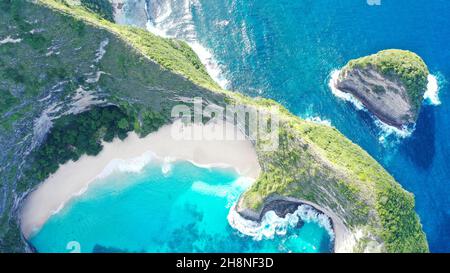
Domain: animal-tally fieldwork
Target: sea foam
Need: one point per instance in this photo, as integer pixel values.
(231, 192)
(215, 70)
(343, 95)
(207, 189)
(133, 165)
(318, 120)
(272, 225)
(386, 131)
(431, 96)
(176, 21)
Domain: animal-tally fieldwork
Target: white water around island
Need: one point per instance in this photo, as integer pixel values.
(431, 96)
(334, 76)
(432, 93)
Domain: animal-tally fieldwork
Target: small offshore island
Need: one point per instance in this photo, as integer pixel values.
(137, 78)
(391, 84)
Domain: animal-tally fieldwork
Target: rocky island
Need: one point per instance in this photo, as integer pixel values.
(126, 79)
(390, 84)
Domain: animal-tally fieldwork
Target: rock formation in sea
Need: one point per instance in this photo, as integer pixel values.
(76, 79)
(390, 84)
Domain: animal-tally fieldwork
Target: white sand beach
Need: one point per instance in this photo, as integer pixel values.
(73, 178)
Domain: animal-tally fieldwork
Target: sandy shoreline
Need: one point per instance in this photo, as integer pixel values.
(73, 178)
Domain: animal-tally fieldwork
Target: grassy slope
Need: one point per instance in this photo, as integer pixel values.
(297, 159)
(172, 54)
(408, 66)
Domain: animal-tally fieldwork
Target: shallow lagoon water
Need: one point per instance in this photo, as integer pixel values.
(175, 207)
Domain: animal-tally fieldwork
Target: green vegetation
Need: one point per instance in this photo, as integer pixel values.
(314, 162)
(401, 229)
(7, 100)
(362, 183)
(151, 122)
(406, 65)
(101, 7)
(169, 53)
(364, 190)
(75, 135)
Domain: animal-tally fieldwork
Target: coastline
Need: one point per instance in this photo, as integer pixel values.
(10, 232)
(431, 97)
(344, 240)
(73, 178)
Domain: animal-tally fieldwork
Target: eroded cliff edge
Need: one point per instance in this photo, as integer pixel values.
(390, 84)
(143, 76)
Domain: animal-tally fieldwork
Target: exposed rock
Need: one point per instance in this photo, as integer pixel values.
(390, 84)
(344, 240)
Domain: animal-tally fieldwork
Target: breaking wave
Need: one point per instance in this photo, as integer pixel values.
(132, 165)
(173, 19)
(231, 192)
(272, 225)
(207, 189)
(334, 76)
(431, 96)
(387, 131)
(319, 120)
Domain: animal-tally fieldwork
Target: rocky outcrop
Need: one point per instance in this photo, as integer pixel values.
(344, 240)
(385, 98)
(390, 84)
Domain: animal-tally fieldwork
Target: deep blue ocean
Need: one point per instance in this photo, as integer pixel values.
(286, 50)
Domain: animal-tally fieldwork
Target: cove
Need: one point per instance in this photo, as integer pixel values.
(170, 207)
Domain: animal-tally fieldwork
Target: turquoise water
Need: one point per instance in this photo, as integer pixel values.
(286, 50)
(169, 208)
